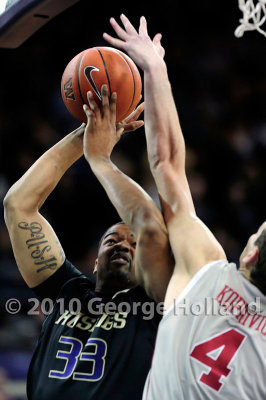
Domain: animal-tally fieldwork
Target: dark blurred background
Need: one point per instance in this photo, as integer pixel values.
(219, 85)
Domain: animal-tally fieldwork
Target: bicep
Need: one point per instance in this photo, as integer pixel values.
(36, 247)
(154, 260)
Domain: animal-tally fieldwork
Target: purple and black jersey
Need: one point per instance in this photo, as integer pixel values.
(91, 354)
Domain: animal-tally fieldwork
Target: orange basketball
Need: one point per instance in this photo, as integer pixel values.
(92, 68)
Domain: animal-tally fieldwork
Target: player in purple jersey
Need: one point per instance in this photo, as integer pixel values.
(87, 355)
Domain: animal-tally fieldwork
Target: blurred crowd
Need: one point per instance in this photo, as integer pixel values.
(219, 85)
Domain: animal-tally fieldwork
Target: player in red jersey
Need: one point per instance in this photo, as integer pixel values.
(210, 344)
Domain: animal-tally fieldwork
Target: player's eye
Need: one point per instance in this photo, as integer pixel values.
(110, 241)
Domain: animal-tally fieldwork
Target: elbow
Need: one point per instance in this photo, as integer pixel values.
(12, 200)
(8, 209)
(157, 296)
(8, 201)
(151, 231)
(162, 166)
(153, 235)
(167, 156)
(144, 281)
(19, 199)
(10, 206)
(155, 292)
(159, 148)
(149, 223)
(157, 159)
(13, 206)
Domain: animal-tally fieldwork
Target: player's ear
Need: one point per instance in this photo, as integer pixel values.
(95, 266)
(251, 258)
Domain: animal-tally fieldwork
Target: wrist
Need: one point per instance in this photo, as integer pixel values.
(67, 151)
(98, 162)
(157, 66)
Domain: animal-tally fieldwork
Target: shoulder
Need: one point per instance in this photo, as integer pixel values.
(137, 293)
(65, 278)
(77, 285)
(208, 281)
(141, 305)
(212, 271)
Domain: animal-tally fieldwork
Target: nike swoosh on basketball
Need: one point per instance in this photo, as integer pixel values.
(88, 71)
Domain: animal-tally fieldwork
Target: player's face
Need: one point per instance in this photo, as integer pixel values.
(116, 255)
(251, 242)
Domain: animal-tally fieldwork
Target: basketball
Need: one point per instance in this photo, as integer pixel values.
(92, 68)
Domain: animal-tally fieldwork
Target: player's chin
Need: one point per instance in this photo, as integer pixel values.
(120, 265)
(118, 275)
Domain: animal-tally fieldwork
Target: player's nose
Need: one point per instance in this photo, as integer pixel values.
(123, 245)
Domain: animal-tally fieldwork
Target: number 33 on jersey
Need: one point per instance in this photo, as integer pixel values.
(94, 351)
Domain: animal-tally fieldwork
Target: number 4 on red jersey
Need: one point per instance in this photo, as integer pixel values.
(229, 342)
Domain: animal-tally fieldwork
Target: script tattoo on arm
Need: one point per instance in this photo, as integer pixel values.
(39, 246)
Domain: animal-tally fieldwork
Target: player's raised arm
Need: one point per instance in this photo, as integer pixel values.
(166, 147)
(192, 243)
(37, 250)
(154, 264)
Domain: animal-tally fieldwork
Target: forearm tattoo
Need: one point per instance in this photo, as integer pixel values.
(39, 246)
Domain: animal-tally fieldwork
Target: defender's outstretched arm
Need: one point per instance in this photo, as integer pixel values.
(192, 243)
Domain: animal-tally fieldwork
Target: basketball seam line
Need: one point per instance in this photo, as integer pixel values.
(84, 102)
(109, 84)
(133, 84)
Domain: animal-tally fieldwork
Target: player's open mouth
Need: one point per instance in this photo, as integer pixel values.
(120, 258)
